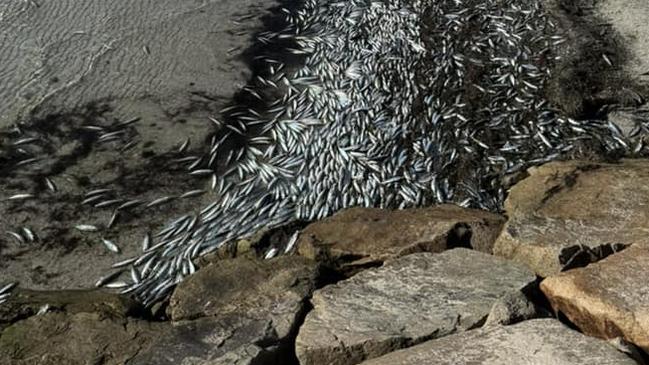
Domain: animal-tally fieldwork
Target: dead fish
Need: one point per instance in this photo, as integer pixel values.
(17, 236)
(27, 161)
(116, 285)
(31, 237)
(129, 204)
(183, 147)
(110, 245)
(130, 121)
(106, 278)
(50, 185)
(8, 287)
(160, 201)
(107, 203)
(86, 228)
(43, 309)
(192, 193)
(124, 263)
(23, 141)
(92, 199)
(113, 219)
(291, 242)
(271, 253)
(146, 242)
(20, 197)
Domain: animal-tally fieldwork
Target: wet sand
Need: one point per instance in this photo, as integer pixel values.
(67, 64)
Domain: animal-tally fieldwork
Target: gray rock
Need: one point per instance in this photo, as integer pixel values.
(249, 287)
(257, 305)
(534, 342)
(409, 300)
(356, 238)
(511, 308)
(212, 341)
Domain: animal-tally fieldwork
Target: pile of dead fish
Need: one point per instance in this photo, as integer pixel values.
(393, 104)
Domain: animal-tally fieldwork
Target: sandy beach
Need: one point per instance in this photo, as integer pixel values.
(71, 63)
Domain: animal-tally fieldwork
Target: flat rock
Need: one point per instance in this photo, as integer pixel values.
(99, 338)
(534, 342)
(606, 299)
(567, 214)
(361, 237)
(227, 340)
(24, 303)
(56, 338)
(409, 300)
(270, 291)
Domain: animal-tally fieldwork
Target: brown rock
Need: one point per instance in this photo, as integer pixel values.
(567, 214)
(534, 342)
(242, 310)
(359, 237)
(56, 338)
(406, 301)
(24, 303)
(270, 290)
(607, 299)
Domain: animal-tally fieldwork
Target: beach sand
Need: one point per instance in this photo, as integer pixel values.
(70, 63)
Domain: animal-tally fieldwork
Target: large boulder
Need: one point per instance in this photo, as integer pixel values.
(534, 342)
(361, 237)
(409, 300)
(567, 214)
(257, 306)
(248, 287)
(607, 299)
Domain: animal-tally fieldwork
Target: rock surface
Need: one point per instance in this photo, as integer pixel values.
(361, 237)
(407, 301)
(247, 287)
(534, 342)
(607, 299)
(56, 338)
(226, 340)
(511, 308)
(567, 214)
(238, 311)
(25, 303)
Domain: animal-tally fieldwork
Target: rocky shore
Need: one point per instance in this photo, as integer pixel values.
(559, 279)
